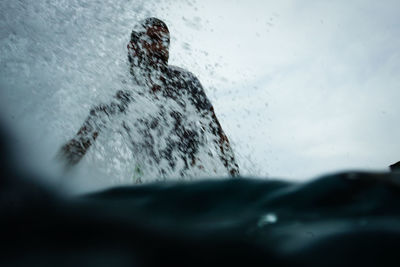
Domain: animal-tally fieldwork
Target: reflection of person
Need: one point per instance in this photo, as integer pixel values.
(148, 52)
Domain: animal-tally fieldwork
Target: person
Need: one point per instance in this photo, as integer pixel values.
(184, 135)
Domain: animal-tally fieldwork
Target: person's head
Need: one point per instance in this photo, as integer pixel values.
(150, 42)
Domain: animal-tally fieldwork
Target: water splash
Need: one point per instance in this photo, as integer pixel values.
(267, 219)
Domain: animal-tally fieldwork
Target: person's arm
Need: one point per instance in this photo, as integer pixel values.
(73, 151)
(227, 155)
(205, 107)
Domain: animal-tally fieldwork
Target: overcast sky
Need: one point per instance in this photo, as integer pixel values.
(301, 88)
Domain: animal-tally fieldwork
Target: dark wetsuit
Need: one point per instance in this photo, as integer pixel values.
(177, 85)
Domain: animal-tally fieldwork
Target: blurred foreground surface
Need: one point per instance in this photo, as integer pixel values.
(348, 219)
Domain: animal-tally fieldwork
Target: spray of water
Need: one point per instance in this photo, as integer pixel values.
(61, 58)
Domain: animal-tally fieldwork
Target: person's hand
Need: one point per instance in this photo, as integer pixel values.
(71, 153)
(234, 172)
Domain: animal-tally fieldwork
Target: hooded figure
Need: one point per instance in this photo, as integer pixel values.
(184, 121)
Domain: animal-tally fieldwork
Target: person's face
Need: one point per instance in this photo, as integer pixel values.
(154, 43)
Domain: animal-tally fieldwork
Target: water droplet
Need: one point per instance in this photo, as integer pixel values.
(269, 218)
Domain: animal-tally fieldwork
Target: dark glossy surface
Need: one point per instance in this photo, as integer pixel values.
(347, 219)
